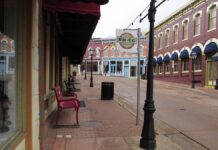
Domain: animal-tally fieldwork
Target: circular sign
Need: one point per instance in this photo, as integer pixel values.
(126, 40)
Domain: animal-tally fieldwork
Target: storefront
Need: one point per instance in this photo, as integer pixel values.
(211, 64)
(124, 67)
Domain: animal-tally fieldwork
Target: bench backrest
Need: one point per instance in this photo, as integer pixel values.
(58, 92)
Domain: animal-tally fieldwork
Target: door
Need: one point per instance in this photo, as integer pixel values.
(211, 73)
(126, 71)
(113, 70)
(133, 71)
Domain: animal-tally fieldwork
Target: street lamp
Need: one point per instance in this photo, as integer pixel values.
(91, 78)
(147, 140)
(85, 69)
(194, 56)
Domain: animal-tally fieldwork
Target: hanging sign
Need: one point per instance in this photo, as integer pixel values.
(127, 40)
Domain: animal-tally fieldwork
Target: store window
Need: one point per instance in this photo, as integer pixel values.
(175, 66)
(185, 65)
(197, 63)
(155, 68)
(167, 67)
(119, 67)
(9, 102)
(160, 68)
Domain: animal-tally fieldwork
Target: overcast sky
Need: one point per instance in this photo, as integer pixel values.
(121, 13)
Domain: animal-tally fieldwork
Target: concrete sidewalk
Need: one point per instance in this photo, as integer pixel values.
(108, 125)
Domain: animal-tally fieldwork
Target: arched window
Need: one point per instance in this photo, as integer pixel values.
(185, 30)
(98, 52)
(119, 52)
(141, 50)
(175, 34)
(197, 24)
(212, 17)
(106, 52)
(112, 52)
(160, 40)
(4, 44)
(155, 43)
(167, 34)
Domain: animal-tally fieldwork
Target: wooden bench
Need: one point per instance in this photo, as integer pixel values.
(66, 102)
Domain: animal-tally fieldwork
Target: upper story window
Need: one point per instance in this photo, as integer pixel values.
(106, 52)
(212, 17)
(126, 54)
(141, 50)
(98, 52)
(90, 52)
(112, 52)
(197, 24)
(160, 40)
(155, 43)
(167, 37)
(4, 44)
(119, 52)
(175, 34)
(185, 30)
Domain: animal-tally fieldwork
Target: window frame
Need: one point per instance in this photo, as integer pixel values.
(185, 27)
(167, 37)
(175, 65)
(160, 40)
(213, 18)
(175, 34)
(197, 24)
(185, 65)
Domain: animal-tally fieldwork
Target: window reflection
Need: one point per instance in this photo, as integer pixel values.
(8, 100)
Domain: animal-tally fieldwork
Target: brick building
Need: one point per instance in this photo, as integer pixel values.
(185, 44)
(111, 61)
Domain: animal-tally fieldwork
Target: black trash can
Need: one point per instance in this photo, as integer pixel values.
(216, 86)
(107, 90)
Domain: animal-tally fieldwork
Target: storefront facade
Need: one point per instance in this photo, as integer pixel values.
(185, 44)
(33, 61)
(111, 61)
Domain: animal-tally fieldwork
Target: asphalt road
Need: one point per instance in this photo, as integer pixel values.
(194, 112)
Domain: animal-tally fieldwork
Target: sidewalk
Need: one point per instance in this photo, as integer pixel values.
(107, 125)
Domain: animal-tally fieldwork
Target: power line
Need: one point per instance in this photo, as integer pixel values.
(138, 16)
(155, 8)
(141, 19)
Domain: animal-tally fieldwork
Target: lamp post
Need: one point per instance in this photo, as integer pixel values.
(148, 135)
(194, 56)
(91, 78)
(85, 69)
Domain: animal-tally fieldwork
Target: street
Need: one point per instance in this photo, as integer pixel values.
(193, 112)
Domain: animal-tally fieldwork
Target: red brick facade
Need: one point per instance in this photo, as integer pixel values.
(201, 40)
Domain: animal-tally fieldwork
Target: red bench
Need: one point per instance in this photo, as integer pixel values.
(66, 102)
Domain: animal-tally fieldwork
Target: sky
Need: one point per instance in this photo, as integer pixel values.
(119, 14)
